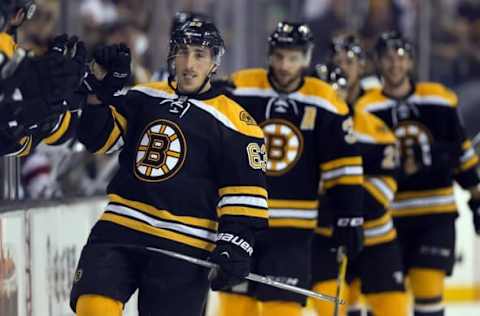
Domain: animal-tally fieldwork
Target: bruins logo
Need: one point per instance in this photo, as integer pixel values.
(247, 118)
(161, 151)
(414, 136)
(284, 145)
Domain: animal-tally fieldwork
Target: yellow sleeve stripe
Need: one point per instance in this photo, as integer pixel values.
(119, 118)
(472, 162)
(341, 162)
(63, 127)
(467, 145)
(242, 211)
(345, 180)
(163, 233)
(112, 139)
(372, 241)
(376, 193)
(242, 190)
(26, 142)
(295, 204)
(324, 231)
(292, 223)
(378, 221)
(407, 195)
(193, 221)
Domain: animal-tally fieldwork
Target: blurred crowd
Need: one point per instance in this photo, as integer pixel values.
(453, 47)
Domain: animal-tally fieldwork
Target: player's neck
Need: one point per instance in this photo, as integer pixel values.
(353, 93)
(398, 91)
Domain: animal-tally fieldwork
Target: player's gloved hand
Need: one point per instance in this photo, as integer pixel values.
(348, 232)
(474, 205)
(110, 71)
(233, 255)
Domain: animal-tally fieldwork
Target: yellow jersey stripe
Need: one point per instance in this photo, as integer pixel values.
(163, 233)
(438, 209)
(242, 211)
(341, 162)
(346, 180)
(472, 162)
(292, 223)
(119, 118)
(115, 134)
(385, 218)
(27, 147)
(242, 190)
(63, 127)
(300, 204)
(372, 241)
(163, 214)
(324, 231)
(405, 195)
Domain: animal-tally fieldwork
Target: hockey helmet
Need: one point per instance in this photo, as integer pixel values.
(393, 40)
(202, 33)
(332, 74)
(291, 35)
(349, 44)
(182, 17)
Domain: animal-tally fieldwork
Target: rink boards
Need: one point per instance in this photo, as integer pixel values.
(39, 248)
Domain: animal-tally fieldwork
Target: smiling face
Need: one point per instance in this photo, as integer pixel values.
(193, 64)
(395, 66)
(287, 65)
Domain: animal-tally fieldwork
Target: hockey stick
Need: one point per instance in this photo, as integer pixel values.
(251, 276)
(342, 271)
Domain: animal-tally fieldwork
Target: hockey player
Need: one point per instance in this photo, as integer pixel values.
(192, 164)
(379, 266)
(308, 134)
(433, 153)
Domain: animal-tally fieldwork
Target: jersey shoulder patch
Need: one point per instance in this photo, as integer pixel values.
(250, 78)
(159, 89)
(435, 94)
(324, 93)
(234, 116)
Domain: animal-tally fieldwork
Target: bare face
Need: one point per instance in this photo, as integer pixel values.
(350, 65)
(192, 66)
(287, 65)
(395, 67)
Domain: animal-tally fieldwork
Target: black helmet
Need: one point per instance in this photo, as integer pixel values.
(291, 35)
(332, 74)
(202, 33)
(347, 43)
(393, 40)
(182, 17)
(28, 6)
(6, 11)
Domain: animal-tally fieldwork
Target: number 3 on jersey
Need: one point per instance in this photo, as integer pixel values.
(347, 127)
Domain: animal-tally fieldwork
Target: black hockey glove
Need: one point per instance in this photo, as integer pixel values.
(233, 254)
(348, 232)
(475, 207)
(116, 61)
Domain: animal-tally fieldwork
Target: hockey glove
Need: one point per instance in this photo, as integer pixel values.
(475, 207)
(348, 232)
(233, 255)
(116, 62)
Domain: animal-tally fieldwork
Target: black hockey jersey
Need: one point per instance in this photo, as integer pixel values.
(433, 149)
(186, 167)
(309, 137)
(378, 146)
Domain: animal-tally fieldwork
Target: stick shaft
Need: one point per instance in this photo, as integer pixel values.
(251, 276)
